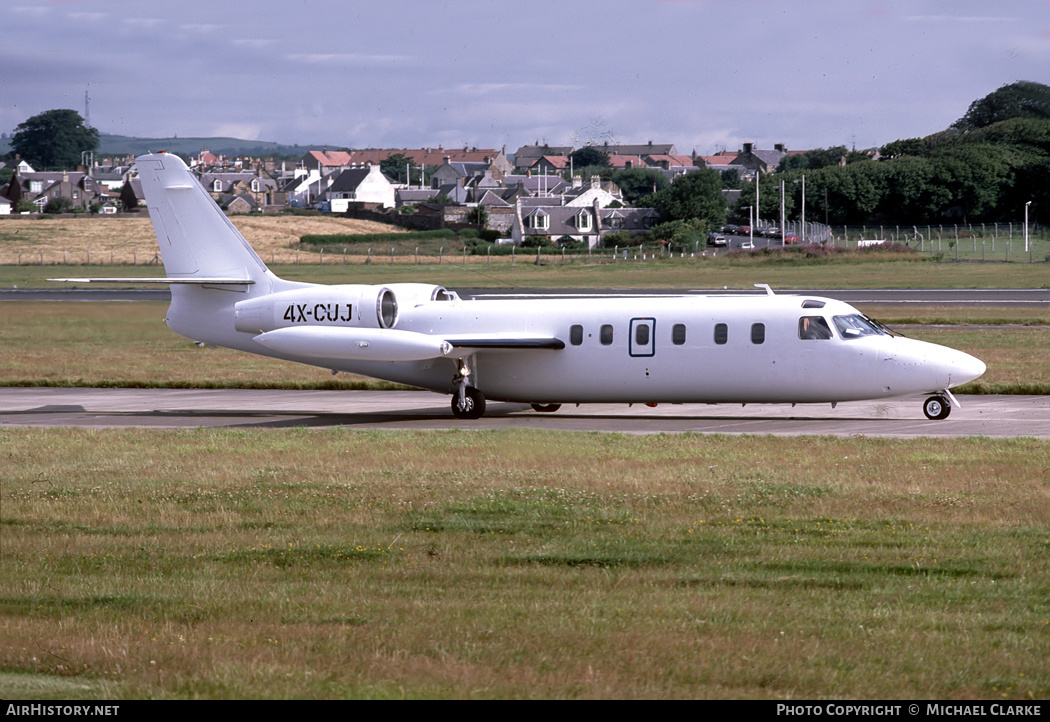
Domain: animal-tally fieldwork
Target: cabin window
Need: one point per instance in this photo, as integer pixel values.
(813, 328)
(678, 334)
(721, 333)
(641, 334)
(758, 333)
(576, 335)
(605, 335)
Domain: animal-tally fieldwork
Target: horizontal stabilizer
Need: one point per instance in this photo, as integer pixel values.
(193, 281)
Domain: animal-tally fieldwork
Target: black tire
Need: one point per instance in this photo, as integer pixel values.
(936, 408)
(546, 408)
(472, 407)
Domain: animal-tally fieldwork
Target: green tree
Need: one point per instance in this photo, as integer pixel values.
(900, 148)
(1023, 99)
(589, 155)
(636, 183)
(681, 235)
(478, 215)
(394, 167)
(694, 195)
(54, 140)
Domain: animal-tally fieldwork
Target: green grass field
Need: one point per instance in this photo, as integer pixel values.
(521, 564)
(332, 563)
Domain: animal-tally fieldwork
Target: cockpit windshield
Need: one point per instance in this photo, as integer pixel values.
(856, 325)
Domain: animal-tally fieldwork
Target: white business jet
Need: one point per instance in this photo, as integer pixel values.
(756, 348)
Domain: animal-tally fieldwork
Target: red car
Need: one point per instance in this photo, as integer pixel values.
(790, 238)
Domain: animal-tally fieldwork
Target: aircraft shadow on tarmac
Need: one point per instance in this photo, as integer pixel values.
(500, 414)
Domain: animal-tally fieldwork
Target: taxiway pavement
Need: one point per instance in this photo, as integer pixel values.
(990, 416)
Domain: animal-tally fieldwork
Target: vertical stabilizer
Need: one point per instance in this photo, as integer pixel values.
(196, 238)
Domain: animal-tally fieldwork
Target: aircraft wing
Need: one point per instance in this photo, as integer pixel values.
(502, 341)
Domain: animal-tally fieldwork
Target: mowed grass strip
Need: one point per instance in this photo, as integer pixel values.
(355, 564)
(128, 345)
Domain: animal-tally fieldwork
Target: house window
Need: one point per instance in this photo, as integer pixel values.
(678, 334)
(583, 221)
(721, 333)
(606, 335)
(576, 335)
(539, 220)
(615, 222)
(255, 186)
(216, 186)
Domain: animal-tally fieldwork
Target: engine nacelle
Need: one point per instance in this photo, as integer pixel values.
(347, 305)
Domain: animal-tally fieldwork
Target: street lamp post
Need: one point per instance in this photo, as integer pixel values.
(782, 240)
(1026, 225)
(802, 229)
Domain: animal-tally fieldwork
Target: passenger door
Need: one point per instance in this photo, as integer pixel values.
(642, 341)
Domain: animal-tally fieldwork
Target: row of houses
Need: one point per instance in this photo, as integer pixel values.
(529, 194)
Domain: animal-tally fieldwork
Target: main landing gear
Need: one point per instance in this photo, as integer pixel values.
(937, 408)
(467, 401)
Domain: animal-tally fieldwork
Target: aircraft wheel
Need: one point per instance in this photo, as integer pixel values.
(472, 406)
(546, 408)
(937, 408)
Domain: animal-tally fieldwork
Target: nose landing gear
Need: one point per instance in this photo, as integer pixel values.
(936, 408)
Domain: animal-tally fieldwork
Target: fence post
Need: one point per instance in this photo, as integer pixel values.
(391, 255)
(320, 257)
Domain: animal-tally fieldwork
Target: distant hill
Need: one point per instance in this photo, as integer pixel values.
(118, 145)
(125, 145)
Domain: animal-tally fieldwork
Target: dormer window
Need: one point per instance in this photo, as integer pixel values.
(216, 186)
(539, 221)
(255, 185)
(583, 221)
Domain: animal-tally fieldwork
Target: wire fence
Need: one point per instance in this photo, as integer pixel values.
(992, 242)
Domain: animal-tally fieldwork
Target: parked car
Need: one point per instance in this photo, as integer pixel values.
(716, 239)
(743, 231)
(790, 238)
(747, 245)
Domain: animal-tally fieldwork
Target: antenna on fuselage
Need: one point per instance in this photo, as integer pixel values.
(769, 291)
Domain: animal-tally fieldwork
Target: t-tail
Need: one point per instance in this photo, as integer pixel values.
(198, 243)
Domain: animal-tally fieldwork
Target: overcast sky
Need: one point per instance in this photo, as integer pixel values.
(702, 74)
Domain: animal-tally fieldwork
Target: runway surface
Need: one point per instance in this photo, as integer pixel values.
(990, 416)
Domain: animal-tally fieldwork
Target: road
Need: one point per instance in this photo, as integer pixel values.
(991, 416)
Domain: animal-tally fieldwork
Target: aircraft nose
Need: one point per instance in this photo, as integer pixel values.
(966, 368)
